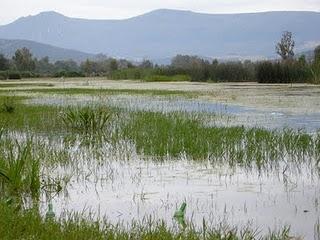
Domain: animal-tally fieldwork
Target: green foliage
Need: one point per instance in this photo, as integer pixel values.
(4, 63)
(19, 170)
(23, 60)
(67, 66)
(3, 75)
(283, 72)
(162, 78)
(172, 135)
(317, 55)
(232, 72)
(129, 73)
(86, 120)
(30, 225)
(14, 75)
(286, 45)
(8, 105)
(28, 74)
(68, 74)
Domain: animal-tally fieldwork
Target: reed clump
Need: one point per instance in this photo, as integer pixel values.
(19, 171)
(87, 120)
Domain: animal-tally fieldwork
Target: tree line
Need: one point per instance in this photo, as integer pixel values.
(288, 69)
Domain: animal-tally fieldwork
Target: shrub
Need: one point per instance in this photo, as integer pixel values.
(283, 72)
(27, 74)
(14, 75)
(86, 120)
(68, 74)
(3, 75)
(163, 78)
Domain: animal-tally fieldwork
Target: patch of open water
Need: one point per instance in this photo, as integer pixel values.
(126, 191)
(230, 115)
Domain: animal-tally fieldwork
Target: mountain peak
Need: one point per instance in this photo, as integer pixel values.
(166, 11)
(49, 14)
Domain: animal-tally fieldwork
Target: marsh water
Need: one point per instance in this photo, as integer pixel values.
(122, 186)
(225, 114)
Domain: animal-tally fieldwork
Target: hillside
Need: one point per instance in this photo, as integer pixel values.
(39, 50)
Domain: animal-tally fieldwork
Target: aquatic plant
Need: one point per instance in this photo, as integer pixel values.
(174, 134)
(30, 225)
(8, 105)
(86, 120)
(19, 170)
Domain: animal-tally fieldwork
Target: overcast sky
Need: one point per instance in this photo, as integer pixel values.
(118, 9)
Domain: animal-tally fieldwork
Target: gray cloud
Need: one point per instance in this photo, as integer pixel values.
(117, 9)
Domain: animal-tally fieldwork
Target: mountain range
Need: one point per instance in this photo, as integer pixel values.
(161, 34)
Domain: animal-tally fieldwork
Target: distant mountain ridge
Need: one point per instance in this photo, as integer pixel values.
(163, 33)
(8, 47)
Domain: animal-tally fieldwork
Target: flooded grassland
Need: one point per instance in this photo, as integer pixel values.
(244, 158)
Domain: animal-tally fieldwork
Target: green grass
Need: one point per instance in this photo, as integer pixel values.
(30, 225)
(173, 134)
(19, 172)
(29, 118)
(87, 120)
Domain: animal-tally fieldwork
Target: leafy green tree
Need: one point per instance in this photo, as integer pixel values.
(91, 68)
(43, 66)
(317, 55)
(315, 69)
(302, 60)
(4, 63)
(285, 47)
(146, 64)
(68, 66)
(114, 65)
(23, 60)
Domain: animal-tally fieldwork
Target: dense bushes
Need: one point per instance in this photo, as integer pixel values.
(3, 75)
(68, 74)
(14, 75)
(162, 78)
(283, 72)
(232, 71)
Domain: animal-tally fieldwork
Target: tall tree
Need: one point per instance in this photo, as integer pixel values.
(286, 45)
(317, 55)
(4, 63)
(23, 60)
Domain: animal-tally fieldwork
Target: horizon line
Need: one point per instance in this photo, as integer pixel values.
(151, 11)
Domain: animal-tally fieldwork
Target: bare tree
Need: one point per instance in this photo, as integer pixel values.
(286, 45)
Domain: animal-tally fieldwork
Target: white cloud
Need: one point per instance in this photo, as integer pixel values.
(117, 9)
